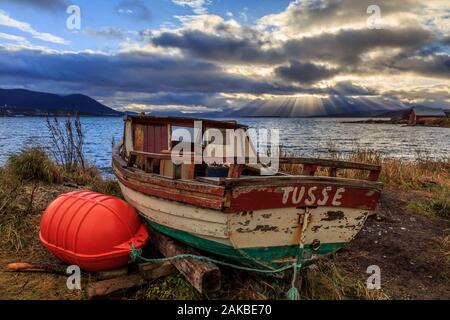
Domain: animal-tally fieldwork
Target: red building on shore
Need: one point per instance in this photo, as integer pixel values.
(419, 115)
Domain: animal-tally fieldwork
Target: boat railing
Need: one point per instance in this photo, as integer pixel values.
(311, 165)
(154, 163)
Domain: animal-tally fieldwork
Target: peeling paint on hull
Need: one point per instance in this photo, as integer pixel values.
(270, 235)
(272, 256)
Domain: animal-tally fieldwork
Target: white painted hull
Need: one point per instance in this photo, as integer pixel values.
(257, 229)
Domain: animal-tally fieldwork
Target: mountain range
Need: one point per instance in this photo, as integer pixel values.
(333, 106)
(26, 102)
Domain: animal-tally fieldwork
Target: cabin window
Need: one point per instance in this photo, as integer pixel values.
(179, 134)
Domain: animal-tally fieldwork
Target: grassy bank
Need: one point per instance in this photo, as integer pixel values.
(408, 237)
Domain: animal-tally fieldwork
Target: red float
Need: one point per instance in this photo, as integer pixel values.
(91, 230)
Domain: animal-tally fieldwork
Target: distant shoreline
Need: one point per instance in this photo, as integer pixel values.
(432, 124)
(379, 121)
(57, 115)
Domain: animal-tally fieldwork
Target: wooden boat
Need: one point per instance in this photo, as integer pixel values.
(256, 220)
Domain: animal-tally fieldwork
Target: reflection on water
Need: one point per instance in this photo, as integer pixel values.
(309, 137)
(316, 136)
(19, 132)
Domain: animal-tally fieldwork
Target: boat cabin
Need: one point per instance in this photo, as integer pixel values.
(149, 142)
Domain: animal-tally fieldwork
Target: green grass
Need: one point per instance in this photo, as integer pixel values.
(169, 288)
(438, 206)
(107, 186)
(441, 206)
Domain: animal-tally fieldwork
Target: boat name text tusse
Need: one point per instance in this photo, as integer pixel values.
(296, 194)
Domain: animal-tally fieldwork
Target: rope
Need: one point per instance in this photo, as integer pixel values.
(136, 256)
(249, 257)
(292, 294)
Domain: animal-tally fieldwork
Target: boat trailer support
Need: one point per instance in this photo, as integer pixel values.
(203, 276)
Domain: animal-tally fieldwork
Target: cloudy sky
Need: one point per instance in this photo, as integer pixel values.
(304, 57)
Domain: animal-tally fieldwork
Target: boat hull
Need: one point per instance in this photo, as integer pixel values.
(259, 238)
(257, 257)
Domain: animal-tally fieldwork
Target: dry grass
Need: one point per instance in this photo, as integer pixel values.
(422, 173)
(327, 281)
(67, 142)
(446, 248)
(13, 208)
(19, 241)
(23, 173)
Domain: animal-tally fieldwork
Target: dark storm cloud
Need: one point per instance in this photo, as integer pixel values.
(42, 4)
(191, 99)
(134, 9)
(219, 48)
(136, 72)
(433, 65)
(345, 46)
(305, 72)
(420, 52)
(436, 96)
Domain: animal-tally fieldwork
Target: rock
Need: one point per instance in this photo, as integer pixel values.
(313, 267)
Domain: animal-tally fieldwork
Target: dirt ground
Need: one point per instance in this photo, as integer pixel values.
(411, 250)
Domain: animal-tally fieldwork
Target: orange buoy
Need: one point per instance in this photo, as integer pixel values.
(92, 230)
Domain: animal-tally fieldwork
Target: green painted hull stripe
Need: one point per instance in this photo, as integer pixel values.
(263, 254)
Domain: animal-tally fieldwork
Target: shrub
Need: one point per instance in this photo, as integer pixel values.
(80, 176)
(33, 164)
(441, 205)
(67, 142)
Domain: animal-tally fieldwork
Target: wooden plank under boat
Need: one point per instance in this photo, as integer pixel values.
(256, 220)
